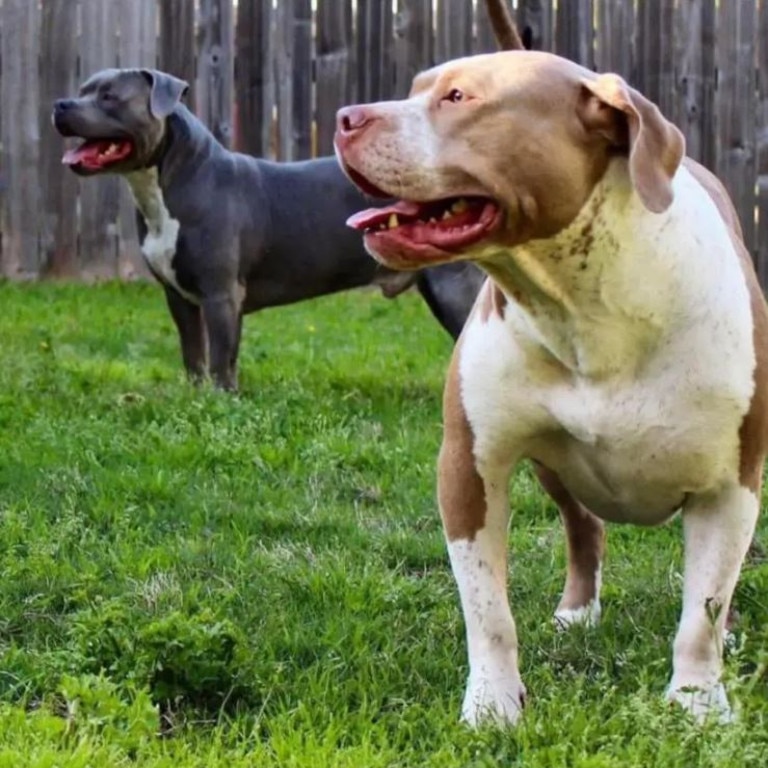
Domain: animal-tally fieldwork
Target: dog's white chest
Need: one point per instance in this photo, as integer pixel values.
(159, 244)
(635, 394)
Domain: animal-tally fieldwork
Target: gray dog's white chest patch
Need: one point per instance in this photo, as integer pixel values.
(159, 245)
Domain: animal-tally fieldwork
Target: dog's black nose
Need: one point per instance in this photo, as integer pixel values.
(62, 105)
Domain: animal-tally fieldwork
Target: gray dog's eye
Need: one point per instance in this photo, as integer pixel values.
(108, 96)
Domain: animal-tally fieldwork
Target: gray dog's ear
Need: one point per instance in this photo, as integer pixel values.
(166, 92)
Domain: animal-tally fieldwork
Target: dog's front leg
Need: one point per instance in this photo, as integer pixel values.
(475, 510)
(718, 530)
(223, 321)
(188, 318)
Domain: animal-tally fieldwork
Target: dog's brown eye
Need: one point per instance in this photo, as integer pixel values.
(454, 96)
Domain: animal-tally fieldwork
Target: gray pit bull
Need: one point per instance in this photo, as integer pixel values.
(225, 233)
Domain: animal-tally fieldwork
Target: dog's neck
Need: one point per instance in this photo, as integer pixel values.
(186, 145)
(603, 293)
(145, 187)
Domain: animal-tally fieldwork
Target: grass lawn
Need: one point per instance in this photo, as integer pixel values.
(263, 578)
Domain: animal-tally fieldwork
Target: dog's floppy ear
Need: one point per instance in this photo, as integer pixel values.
(628, 120)
(166, 92)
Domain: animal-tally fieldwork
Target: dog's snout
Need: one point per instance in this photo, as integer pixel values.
(62, 105)
(352, 119)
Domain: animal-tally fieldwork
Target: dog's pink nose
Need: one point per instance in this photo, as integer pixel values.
(352, 119)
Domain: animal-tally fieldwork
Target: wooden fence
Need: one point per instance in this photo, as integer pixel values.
(268, 76)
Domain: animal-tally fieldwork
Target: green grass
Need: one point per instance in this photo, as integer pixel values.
(268, 572)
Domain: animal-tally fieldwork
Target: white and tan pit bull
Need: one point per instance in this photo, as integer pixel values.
(620, 344)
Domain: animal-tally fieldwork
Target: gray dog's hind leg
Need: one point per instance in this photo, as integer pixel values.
(188, 318)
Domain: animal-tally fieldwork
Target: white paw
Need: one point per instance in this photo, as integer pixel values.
(498, 701)
(588, 615)
(703, 703)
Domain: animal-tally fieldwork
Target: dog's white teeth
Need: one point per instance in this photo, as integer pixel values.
(393, 222)
(460, 205)
(110, 150)
(446, 215)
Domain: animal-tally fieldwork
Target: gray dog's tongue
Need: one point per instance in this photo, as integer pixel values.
(76, 155)
(97, 154)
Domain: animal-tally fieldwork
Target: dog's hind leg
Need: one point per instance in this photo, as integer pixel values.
(585, 541)
(188, 318)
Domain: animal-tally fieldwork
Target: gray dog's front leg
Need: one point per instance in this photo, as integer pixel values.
(223, 321)
(188, 318)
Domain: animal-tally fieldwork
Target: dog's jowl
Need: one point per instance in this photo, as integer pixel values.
(225, 233)
(620, 344)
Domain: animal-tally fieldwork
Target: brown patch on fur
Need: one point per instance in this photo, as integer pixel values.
(460, 489)
(585, 537)
(753, 434)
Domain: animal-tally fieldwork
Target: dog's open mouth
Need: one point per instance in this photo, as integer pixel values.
(428, 231)
(97, 154)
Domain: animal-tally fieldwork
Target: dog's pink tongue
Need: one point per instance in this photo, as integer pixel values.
(372, 217)
(82, 154)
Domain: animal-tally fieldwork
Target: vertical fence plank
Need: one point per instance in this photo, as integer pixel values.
(293, 78)
(333, 66)
(696, 79)
(216, 69)
(614, 43)
(58, 79)
(374, 50)
(283, 63)
(709, 139)
(761, 256)
(573, 31)
(535, 22)
(454, 29)
(484, 40)
(414, 42)
(302, 74)
(655, 54)
(99, 196)
(177, 43)
(137, 48)
(20, 138)
(254, 84)
(736, 165)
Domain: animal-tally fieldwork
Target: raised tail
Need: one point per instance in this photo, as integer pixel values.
(504, 28)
